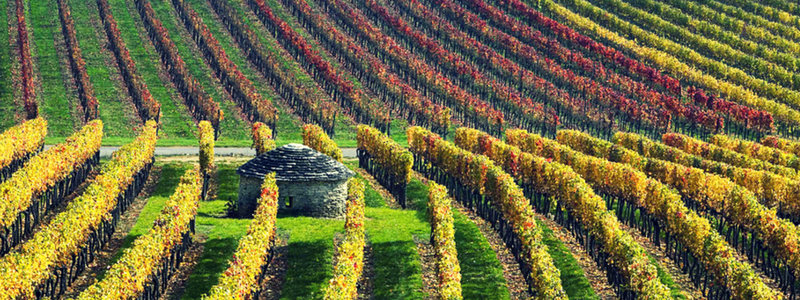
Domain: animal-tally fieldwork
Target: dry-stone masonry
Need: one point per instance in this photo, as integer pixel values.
(309, 183)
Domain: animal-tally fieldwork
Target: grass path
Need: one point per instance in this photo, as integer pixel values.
(175, 119)
(116, 110)
(55, 102)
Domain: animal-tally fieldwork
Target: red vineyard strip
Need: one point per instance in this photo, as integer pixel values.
(507, 99)
(741, 117)
(148, 107)
(199, 103)
(417, 108)
(758, 119)
(306, 101)
(26, 64)
(241, 89)
(653, 117)
(350, 98)
(468, 109)
(573, 112)
(77, 64)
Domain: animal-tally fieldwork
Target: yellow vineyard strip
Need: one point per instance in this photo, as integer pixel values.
(23, 270)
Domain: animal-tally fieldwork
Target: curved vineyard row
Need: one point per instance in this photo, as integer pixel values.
(772, 190)
(649, 115)
(736, 211)
(306, 100)
(197, 100)
(417, 108)
(149, 108)
(518, 109)
(627, 264)
(469, 177)
(26, 80)
(241, 89)
(741, 92)
(691, 239)
(351, 98)
(742, 118)
(467, 108)
(757, 151)
(720, 21)
(78, 65)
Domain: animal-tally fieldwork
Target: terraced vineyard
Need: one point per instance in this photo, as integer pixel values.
(472, 149)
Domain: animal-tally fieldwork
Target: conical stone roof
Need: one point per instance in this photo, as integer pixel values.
(295, 162)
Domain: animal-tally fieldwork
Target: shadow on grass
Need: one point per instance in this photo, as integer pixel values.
(210, 265)
(481, 271)
(309, 269)
(399, 264)
(573, 279)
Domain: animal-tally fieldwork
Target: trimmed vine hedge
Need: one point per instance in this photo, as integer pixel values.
(263, 141)
(385, 160)
(350, 256)
(248, 267)
(315, 138)
(443, 240)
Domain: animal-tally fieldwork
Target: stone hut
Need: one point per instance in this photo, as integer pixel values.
(309, 183)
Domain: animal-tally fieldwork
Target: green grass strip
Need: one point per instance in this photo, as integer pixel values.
(397, 265)
(175, 119)
(309, 255)
(55, 102)
(573, 278)
(119, 117)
